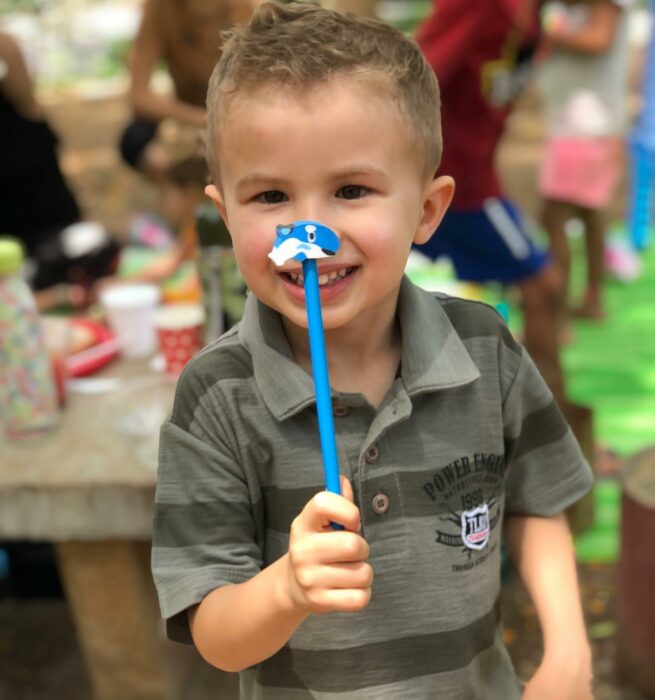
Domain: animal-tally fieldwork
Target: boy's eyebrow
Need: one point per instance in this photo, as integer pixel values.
(260, 179)
(355, 171)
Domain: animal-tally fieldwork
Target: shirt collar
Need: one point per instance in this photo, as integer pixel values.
(433, 356)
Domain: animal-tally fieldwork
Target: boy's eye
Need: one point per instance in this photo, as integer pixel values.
(271, 197)
(352, 192)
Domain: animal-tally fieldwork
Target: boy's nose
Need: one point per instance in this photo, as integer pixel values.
(310, 209)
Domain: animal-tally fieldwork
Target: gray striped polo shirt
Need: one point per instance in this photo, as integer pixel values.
(467, 434)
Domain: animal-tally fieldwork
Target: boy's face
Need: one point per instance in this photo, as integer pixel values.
(341, 155)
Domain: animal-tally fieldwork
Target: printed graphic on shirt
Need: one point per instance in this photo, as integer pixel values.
(469, 488)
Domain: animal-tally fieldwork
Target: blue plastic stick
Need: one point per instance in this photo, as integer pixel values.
(642, 142)
(321, 376)
(305, 241)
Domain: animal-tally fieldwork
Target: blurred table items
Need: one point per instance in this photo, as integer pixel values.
(130, 311)
(29, 405)
(79, 346)
(180, 332)
(134, 412)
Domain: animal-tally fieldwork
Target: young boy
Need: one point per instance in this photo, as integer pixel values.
(444, 428)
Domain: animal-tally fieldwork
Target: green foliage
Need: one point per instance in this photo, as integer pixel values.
(24, 5)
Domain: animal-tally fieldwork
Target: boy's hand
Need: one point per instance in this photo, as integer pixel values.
(567, 677)
(328, 571)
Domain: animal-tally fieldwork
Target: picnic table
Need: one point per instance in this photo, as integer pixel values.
(88, 488)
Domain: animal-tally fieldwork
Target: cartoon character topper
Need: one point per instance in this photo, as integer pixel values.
(306, 241)
(303, 240)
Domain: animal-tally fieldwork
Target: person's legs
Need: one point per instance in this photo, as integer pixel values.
(541, 295)
(555, 214)
(583, 171)
(592, 304)
(491, 245)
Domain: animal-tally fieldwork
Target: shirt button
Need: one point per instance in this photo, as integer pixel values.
(372, 454)
(380, 503)
(340, 410)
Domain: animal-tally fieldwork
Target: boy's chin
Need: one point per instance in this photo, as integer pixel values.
(293, 323)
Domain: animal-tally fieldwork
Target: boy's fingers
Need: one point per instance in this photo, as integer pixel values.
(346, 488)
(325, 508)
(343, 575)
(337, 546)
(340, 599)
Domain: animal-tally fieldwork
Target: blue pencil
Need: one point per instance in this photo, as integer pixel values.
(321, 376)
(305, 241)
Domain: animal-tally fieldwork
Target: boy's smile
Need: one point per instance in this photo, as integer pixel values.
(340, 154)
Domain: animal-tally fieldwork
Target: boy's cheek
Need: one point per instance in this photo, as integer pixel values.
(251, 251)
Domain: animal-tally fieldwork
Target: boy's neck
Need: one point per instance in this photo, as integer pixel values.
(363, 360)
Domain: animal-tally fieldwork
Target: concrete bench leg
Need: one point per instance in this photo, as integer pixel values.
(112, 600)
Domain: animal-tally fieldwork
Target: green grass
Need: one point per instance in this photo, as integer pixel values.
(610, 365)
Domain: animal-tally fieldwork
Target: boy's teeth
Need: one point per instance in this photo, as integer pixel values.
(326, 278)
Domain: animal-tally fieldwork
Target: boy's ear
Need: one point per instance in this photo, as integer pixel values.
(215, 195)
(436, 200)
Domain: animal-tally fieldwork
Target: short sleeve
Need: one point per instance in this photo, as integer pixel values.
(546, 471)
(205, 534)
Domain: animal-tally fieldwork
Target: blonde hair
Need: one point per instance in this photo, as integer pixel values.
(300, 46)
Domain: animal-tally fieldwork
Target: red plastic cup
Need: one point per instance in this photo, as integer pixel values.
(180, 331)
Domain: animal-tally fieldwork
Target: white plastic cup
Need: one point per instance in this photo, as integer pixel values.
(130, 310)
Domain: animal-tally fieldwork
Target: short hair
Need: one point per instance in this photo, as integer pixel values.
(301, 46)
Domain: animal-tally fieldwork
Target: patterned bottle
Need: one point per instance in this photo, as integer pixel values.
(28, 403)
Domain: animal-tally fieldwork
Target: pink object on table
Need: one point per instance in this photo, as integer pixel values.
(104, 349)
(180, 331)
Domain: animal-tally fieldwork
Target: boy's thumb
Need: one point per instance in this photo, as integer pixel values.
(346, 488)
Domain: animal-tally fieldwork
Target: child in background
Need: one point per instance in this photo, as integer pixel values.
(446, 431)
(584, 83)
(181, 195)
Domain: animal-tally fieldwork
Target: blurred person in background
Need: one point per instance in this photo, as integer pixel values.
(184, 35)
(181, 195)
(172, 237)
(583, 80)
(65, 256)
(481, 55)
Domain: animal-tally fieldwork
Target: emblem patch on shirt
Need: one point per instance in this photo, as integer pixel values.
(468, 493)
(476, 527)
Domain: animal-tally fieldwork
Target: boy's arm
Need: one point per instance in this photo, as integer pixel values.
(596, 36)
(239, 625)
(542, 550)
